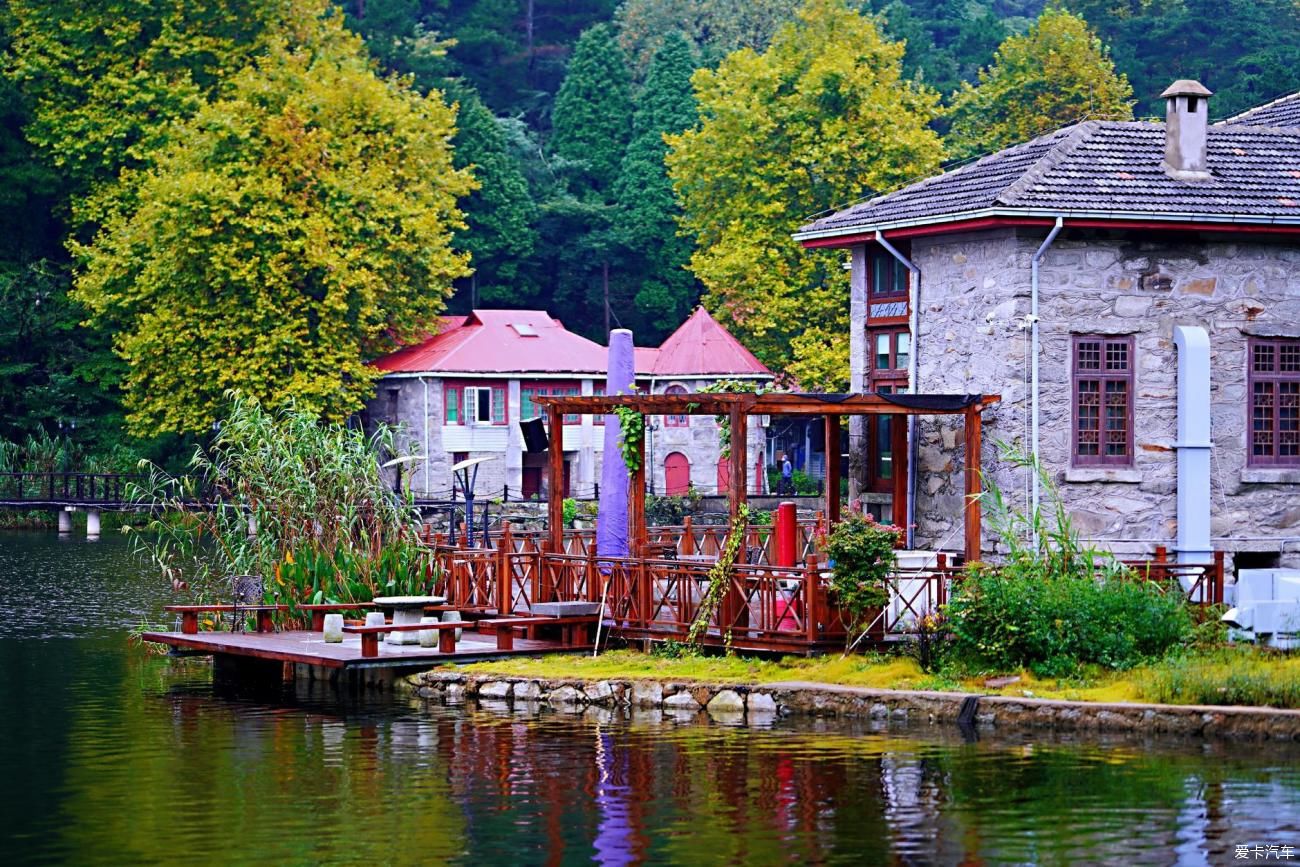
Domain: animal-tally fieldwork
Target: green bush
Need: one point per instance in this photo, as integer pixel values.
(863, 552)
(804, 484)
(1052, 625)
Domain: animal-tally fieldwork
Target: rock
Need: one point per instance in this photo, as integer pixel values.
(647, 694)
(899, 713)
(566, 696)
(529, 691)
(726, 701)
(600, 693)
(760, 702)
(497, 689)
(879, 711)
(681, 701)
(454, 693)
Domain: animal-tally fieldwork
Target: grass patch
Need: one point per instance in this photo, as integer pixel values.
(1225, 676)
(1228, 677)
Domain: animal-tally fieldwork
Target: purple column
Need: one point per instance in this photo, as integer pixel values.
(611, 515)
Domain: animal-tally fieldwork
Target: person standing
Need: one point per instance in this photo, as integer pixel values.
(787, 476)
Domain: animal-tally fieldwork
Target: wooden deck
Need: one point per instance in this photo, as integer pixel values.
(309, 648)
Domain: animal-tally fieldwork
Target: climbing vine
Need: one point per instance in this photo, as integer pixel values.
(719, 576)
(731, 386)
(631, 425)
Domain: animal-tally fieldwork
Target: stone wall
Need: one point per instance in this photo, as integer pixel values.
(761, 703)
(973, 337)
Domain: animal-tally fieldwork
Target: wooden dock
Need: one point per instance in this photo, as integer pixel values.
(309, 648)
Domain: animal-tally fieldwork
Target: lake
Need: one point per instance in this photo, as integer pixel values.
(115, 756)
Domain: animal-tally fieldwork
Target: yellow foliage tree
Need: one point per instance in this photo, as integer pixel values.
(1055, 74)
(822, 118)
(289, 230)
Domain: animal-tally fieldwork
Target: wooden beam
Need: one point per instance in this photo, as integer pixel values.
(555, 478)
(973, 425)
(901, 466)
(779, 403)
(636, 500)
(832, 444)
(739, 443)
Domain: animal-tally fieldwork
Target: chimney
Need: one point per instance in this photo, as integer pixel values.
(1186, 121)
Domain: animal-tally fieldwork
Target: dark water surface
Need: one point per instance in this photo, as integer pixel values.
(112, 757)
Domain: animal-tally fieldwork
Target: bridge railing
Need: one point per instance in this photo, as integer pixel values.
(69, 488)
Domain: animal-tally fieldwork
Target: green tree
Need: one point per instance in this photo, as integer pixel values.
(108, 76)
(1057, 73)
(593, 110)
(820, 119)
(499, 215)
(716, 27)
(647, 209)
(292, 228)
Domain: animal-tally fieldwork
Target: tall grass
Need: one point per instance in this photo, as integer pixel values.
(1245, 677)
(282, 495)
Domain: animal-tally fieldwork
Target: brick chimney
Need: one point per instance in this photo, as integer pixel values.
(1186, 122)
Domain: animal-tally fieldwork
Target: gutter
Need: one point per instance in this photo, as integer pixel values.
(913, 324)
(1033, 370)
(1205, 222)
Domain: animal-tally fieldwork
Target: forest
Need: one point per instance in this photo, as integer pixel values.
(205, 195)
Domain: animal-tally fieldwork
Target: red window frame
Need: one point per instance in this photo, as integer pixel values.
(1101, 396)
(887, 278)
(676, 420)
(1273, 408)
(453, 395)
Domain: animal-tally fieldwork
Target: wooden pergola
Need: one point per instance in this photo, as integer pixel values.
(738, 408)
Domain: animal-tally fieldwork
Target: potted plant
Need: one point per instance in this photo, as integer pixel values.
(862, 552)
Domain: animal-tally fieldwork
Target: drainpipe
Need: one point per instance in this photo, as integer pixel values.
(1193, 445)
(1033, 365)
(425, 383)
(913, 324)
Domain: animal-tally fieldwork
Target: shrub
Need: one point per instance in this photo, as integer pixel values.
(1052, 625)
(570, 511)
(804, 484)
(863, 552)
(1240, 677)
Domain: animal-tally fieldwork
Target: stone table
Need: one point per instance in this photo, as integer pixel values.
(406, 609)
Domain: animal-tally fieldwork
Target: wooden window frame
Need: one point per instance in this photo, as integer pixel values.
(878, 258)
(1279, 379)
(550, 388)
(454, 396)
(1103, 377)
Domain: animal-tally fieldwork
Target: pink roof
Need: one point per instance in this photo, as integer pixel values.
(531, 341)
(702, 347)
(499, 341)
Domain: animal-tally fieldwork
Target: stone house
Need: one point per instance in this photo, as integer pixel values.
(462, 393)
(1132, 291)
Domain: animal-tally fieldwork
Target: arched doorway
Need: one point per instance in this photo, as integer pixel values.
(677, 474)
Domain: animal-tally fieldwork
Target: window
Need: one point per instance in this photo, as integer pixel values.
(886, 276)
(474, 404)
(1274, 382)
(1103, 401)
(529, 409)
(676, 420)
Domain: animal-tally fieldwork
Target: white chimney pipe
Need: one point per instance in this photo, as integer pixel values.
(1186, 126)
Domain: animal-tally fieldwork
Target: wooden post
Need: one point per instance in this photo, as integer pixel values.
(636, 505)
(504, 581)
(832, 442)
(973, 517)
(739, 443)
(555, 478)
(900, 469)
(1217, 596)
(688, 536)
(811, 578)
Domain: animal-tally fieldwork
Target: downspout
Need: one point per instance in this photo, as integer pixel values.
(913, 325)
(1033, 368)
(425, 383)
(1193, 445)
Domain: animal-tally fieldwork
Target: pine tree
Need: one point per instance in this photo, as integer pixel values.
(593, 110)
(499, 215)
(647, 209)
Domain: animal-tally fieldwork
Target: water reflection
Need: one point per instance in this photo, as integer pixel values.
(119, 758)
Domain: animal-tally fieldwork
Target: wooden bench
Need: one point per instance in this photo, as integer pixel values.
(370, 635)
(190, 615)
(505, 627)
(319, 610)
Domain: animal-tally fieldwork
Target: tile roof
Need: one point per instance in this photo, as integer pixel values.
(1103, 168)
(1280, 112)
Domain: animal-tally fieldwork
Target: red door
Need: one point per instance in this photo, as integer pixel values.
(724, 475)
(677, 474)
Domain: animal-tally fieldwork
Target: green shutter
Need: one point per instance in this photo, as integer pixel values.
(498, 405)
(451, 405)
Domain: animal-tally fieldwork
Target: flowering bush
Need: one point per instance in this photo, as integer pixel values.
(863, 553)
